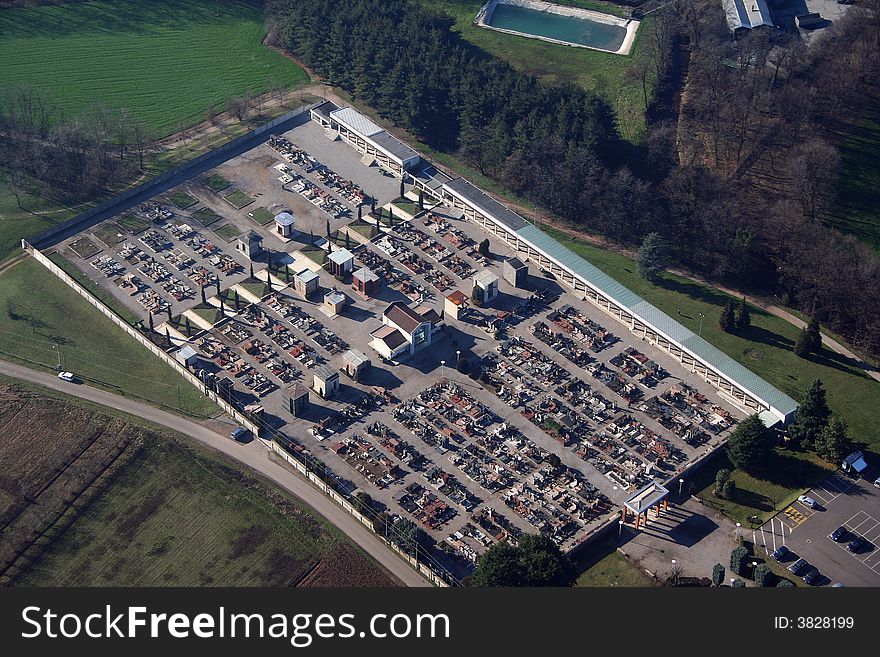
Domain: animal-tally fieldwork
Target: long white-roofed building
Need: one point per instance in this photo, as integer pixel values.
(734, 381)
(367, 137)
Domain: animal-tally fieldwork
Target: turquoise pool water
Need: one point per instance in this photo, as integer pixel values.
(582, 31)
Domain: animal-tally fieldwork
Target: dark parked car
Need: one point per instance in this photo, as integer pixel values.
(857, 544)
(799, 566)
(781, 553)
(239, 434)
(812, 576)
(839, 534)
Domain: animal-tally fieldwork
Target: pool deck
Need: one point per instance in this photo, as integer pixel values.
(631, 25)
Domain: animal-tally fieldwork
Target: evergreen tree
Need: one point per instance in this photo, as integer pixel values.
(810, 418)
(718, 574)
(742, 317)
(727, 321)
(813, 335)
(738, 559)
(833, 443)
(802, 345)
(329, 239)
(347, 240)
(721, 478)
(763, 576)
(653, 257)
(749, 447)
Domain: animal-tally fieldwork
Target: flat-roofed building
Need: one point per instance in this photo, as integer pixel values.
(515, 272)
(454, 304)
(306, 282)
(341, 262)
(485, 287)
(365, 282)
(356, 364)
(326, 382)
(367, 137)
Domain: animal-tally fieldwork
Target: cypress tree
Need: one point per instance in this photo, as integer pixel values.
(742, 317)
(727, 321)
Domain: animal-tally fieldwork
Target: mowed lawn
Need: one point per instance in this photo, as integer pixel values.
(760, 495)
(175, 517)
(602, 72)
(40, 315)
(164, 60)
(613, 570)
(765, 348)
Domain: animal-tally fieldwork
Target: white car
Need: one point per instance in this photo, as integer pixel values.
(807, 501)
(66, 376)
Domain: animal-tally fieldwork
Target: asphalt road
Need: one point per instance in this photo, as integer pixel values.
(254, 455)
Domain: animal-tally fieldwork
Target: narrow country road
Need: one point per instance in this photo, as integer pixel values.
(254, 455)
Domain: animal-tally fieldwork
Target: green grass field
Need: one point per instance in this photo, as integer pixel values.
(183, 200)
(786, 476)
(227, 231)
(237, 531)
(215, 182)
(597, 71)
(39, 312)
(109, 300)
(238, 199)
(261, 215)
(613, 570)
(206, 216)
(164, 60)
(766, 348)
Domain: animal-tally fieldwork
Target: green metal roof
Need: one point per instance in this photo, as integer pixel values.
(660, 321)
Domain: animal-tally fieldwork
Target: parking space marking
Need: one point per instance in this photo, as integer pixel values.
(795, 516)
(864, 524)
(772, 535)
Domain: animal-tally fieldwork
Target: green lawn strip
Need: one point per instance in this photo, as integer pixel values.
(315, 254)
(200, 54)
(209, 313)
(238, 199)
(206, 216)
(216, 183)
(261, 215)
(84, 247)
(183, 200)
(228, 232)
(109, 233)
(43, 316)
(185, 326)
(255, 286)
(786, 475)
(106, 297)
(765, 348)
(232, 300)
(363, 228)
(614, 570)
(133, 224)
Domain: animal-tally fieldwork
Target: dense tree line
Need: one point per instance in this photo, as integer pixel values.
(737, 190)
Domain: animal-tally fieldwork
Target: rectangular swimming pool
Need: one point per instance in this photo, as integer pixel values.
(560, 24)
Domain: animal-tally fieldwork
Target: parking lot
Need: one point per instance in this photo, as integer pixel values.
(841, 502)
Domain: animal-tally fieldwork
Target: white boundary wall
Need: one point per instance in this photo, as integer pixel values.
(321, 485)
(631, 25)
(167, 358)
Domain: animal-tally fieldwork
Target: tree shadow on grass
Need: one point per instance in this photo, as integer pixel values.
(834, 360)
(789, 471)
(752, 500)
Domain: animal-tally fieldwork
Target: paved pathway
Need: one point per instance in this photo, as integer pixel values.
(253, 455)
